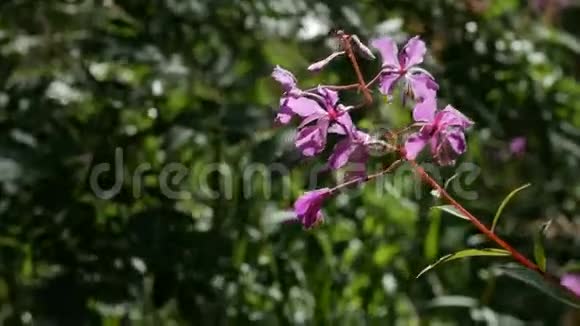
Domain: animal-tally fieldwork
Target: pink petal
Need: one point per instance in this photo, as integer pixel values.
(386, 82)
(308, 198)
(304, 106)
(307, 207)
(422, 86)
(311, 118)
(456, 140)
(413, 52)
(311, 220)
(451, 144)
(388, 50)
(425, 111)
(343, 125)
(452, 117)
(285, 114)
(414, 145)
(330, 96)
(341, 153)
(312, 139)
(284, 77)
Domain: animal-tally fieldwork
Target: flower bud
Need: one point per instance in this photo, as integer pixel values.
(361, 48)
(307, 207)
(318, 65)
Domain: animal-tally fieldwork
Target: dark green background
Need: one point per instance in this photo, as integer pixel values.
(188, 82)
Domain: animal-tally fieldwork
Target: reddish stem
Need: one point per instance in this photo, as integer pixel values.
(369, 84)
(427, 178)
(335, 87)
(350, 53)
(480, 226)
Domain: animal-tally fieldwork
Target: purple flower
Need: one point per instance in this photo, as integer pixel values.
(291, 106)
(352, 149)
(572, 282)
(518, 146)
(321, 118)
(404, 65)
(307, 207)
(292, 102)
(443, 130)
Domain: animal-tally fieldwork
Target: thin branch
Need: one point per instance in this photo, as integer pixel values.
(369, 177)
(335, 87)
(369, 84)
(350, 53)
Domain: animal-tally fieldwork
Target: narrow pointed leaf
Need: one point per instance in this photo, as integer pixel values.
(539, 254)
(451, 210)
(539, 251)
(536, 280)
(448, 182)
(463, 254)
(504, 203)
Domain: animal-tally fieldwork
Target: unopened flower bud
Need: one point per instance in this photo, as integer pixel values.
(318, 65)
(362, 49)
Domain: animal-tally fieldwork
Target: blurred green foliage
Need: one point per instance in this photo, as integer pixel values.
(187, 82)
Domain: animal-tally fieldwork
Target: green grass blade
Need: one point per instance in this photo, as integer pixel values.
(463, 254)
(504, 203)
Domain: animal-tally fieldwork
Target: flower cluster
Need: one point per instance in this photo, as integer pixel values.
(321, 113)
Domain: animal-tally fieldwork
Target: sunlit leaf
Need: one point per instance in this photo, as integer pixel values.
(451, 210)
(504, 203)
(465, 253)
(385, 254)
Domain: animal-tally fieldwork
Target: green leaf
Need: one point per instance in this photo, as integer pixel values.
(536, 280)
(539, 252)
(451, 210)
(466, 253)
(504, 203)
